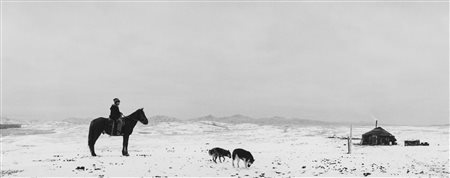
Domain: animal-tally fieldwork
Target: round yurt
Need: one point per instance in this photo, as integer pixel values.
(378, 136)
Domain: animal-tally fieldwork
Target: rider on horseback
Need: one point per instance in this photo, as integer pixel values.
(115, 116)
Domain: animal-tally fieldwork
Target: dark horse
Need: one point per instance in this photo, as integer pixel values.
(99, 125)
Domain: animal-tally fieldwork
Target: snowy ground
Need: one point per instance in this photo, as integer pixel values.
(180, 149)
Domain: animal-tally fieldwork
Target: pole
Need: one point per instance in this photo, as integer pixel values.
(350, 141)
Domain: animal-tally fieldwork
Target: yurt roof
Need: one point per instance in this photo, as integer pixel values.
(378, 131)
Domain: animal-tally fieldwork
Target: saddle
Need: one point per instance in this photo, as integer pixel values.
(114, 127)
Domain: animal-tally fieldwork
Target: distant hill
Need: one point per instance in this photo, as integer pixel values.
(240, 119)
(440, 125)
(74, 120)
(161, 118)
(5, 120)
(235, 119)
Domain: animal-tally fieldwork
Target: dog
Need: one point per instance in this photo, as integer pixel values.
(245, 155)
(219, 153)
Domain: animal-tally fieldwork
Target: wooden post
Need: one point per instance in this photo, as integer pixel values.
(350, 141)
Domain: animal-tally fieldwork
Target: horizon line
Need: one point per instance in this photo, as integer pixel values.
(234, 115)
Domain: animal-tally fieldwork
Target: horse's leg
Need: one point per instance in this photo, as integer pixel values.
(91, 147)
(92, 138)
(125, 145)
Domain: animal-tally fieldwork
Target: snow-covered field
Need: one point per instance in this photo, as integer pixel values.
(180, 149)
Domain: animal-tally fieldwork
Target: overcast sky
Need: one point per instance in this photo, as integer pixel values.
(324, 61)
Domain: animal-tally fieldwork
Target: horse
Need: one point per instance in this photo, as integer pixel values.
(99, 126)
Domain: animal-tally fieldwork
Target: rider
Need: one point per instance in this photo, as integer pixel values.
(116, 114)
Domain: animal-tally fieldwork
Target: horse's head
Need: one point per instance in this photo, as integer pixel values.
(141, 117)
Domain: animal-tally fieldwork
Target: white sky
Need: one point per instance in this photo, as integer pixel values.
(326, 61)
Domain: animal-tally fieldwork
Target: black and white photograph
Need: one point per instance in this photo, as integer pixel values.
(224, 88)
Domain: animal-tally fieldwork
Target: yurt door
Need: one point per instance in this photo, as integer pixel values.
(374, 140)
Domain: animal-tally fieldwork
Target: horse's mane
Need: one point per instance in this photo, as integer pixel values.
(132, 115)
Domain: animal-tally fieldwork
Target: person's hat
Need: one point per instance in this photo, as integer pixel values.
(116, 100)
